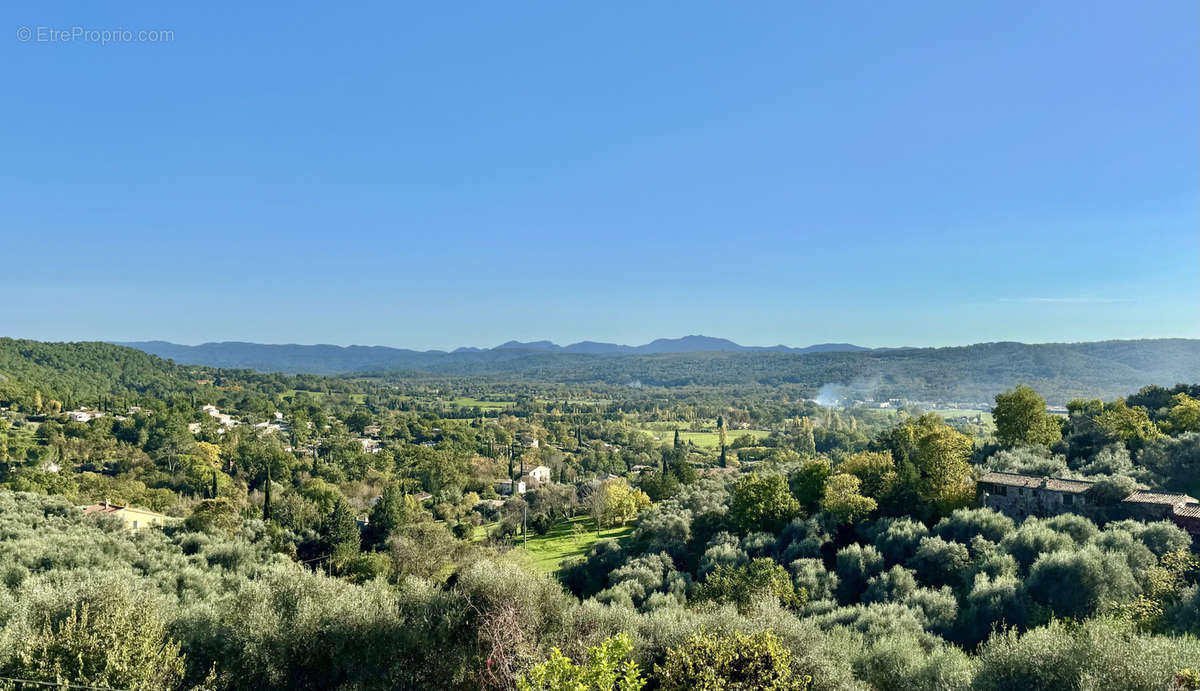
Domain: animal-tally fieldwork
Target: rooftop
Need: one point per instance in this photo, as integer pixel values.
(1053, 484)
(1189, 510)
(1160, 498)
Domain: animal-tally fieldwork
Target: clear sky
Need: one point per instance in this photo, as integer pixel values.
(439, 174)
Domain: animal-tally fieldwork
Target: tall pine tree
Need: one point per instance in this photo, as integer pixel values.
(267, 496)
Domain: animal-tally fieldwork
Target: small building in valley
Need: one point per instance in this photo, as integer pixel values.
(1023, 495)
(1020, 496)
(506, 487)
(1155, 506)
(133, 518)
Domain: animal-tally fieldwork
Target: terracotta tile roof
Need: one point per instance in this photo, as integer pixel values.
(1159, 498)
(1191, 510)
(1053, 484)
(102, 508)
(112, 509)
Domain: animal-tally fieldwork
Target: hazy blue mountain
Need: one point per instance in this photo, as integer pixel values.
(597, 348)
(973, 374)
(827, 348)
(331, 359)
(690, 344)
(532, 345)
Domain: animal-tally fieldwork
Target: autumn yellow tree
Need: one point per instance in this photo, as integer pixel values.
(615, 503)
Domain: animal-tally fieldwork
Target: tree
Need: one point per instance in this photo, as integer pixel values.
(1130, 425)
(1078, 583)
(358, 421)
(876, 470)
(608, 667)
(808, 483)
(211, 453)
(730, 662)
(1110, 491)
(1021, 419)
(939, 562)
(267, 496)
(843, 501)
(394, 509)
(119, 641)
(615, 502)
(1184, 415)
(743, 585)
(856, 565)
(217, 515)
(341, 534)
(763, 502)
(721, 438)
(933, 473)
(945, 474)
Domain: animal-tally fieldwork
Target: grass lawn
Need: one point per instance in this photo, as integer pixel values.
(353, 397)
(706, 440)
(545, 552)
(950, 413)
(466, 402)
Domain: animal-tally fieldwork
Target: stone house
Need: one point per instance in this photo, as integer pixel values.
(1019, 496)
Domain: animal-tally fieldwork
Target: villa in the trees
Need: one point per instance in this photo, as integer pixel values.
(1020, 496)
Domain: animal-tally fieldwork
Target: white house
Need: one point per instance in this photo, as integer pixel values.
(541, 474)
(83, 415)
(505, 487)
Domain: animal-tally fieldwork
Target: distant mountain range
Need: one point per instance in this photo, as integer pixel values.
(966, 374)
(331, 359)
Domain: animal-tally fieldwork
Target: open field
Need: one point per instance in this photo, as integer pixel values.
(545, 552)
(706, 439)
(466, 402)
(951, 413)
(353, 397)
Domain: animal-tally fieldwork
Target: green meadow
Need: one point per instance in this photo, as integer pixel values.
(544, 553)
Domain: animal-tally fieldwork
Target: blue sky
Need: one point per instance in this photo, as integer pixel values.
(445, 174)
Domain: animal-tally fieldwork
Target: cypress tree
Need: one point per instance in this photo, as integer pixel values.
(267, 497)
(214, 486)
(721, 434)
(677, 437)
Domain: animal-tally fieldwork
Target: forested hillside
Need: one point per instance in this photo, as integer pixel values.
(84, 370)
(1061, 371)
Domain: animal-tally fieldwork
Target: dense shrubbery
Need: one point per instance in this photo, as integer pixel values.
(233, 614)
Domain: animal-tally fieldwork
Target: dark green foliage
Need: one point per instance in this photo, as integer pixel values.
(1021, 418)
(743, 585)
(965, 524)
(1102, 655)
(938, 562)
(856, 565)
(1058, 371)
(340, 533)
(762, 502)
(899, 538)
(730, 662)
(1079, 583)
(588, 575)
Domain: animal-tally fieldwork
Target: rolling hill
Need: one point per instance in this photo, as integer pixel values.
(975, 373)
